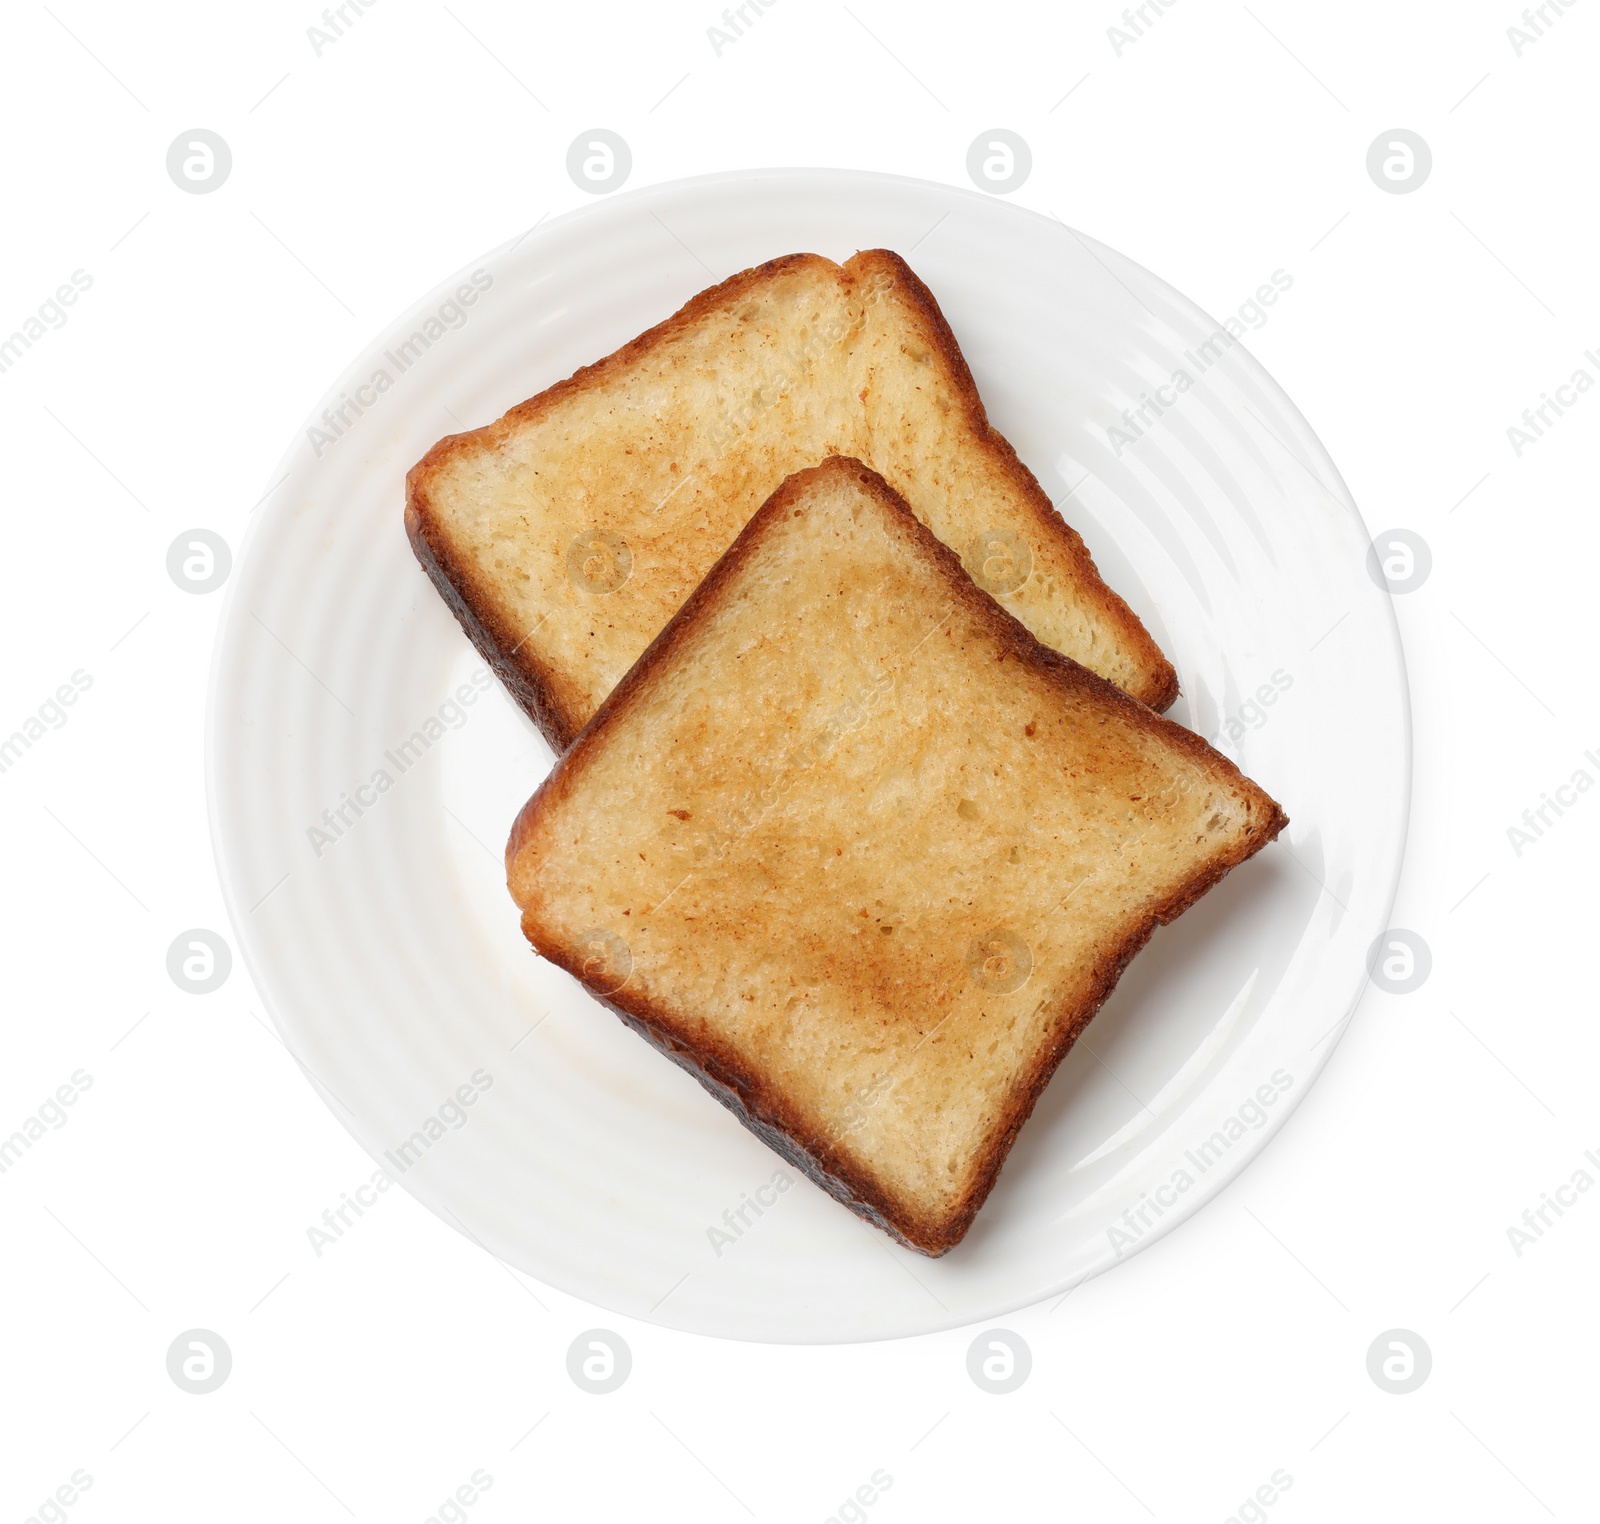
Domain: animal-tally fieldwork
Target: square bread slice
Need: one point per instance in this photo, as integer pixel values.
(565, 535)
(855, 849)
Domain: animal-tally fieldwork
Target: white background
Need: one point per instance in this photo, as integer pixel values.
(370, 1382)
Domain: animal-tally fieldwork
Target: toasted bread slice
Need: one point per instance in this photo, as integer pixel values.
(864, 856)
(565, 535)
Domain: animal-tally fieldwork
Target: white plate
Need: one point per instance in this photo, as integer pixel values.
(391, 957)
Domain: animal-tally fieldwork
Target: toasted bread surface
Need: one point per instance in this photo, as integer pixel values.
(567, 533)
(865, 856)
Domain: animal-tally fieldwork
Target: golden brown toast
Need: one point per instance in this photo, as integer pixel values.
(863, 855)
(565, 535)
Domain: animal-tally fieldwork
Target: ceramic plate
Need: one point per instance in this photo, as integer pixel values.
(364, 770)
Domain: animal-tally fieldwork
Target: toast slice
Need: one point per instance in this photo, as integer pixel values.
(864, 856)
(565, 535)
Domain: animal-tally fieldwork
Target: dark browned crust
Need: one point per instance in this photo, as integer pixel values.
(762, 1108)
(735, 1091)
(525, 680)
(508, 652)
(1160, 690)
